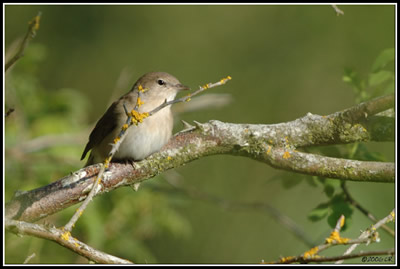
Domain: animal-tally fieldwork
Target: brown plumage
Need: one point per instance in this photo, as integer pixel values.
(146, 138)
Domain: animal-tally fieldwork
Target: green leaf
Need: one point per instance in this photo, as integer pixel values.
(329, 190)
(330, 186)
(352, 78)
(318, 213)
(383, 59)
(379, 77)
(340, 207)
(363, 153)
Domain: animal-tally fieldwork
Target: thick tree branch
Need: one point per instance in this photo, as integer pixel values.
(273, 144)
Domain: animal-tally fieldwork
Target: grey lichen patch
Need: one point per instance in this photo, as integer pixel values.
(351, 133)
(250, 145)
(89, 188)
(82, 198)
(232, 132)
(73, 178)
(175, 157)
(350, 170)
(307, 159)
(152, 163)
(313, 129)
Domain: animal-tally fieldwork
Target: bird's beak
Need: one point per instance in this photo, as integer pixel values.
(181, 87)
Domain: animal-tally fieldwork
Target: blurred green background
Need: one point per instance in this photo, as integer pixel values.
(285, 61)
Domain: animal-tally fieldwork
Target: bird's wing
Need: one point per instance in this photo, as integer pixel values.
(104, 126)
(110, 120)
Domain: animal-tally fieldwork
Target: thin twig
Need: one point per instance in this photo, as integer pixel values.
(342, 257)
(33, 27)
(362, 209)
(11, 110)
(335, 239)
(187, 97)
(368, 232)
(71, 223)
(338, 10)
(207, 139)
(133, 118)
(30, 257)
(58, 236)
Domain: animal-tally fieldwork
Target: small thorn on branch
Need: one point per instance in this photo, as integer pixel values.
(187, 125)
(199, 125)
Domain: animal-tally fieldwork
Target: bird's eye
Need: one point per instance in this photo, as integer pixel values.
(161, 82)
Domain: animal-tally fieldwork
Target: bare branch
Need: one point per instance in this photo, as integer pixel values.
(342, 257)
(188, 97)
(133, 118)
(9, 111)
(337, 10)
(368, 232)
(57, 235)
(30, 257)
(206, 101)
(33, 27)
(273, 144)
(370, 235)
(362, 209)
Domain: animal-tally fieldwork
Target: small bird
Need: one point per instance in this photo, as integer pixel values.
(145, 138)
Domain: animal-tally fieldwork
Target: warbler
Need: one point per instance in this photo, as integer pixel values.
(148, 136)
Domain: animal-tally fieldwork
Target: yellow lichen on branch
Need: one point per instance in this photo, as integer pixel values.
(224, 80)
(139, 102)
(65, 236)
(141, 89)
(335, 238)
(286, 155)
(310, 253)
(35, 22)
(107, 163)
(138, 117)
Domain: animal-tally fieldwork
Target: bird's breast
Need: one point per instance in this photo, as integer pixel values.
(147, 137)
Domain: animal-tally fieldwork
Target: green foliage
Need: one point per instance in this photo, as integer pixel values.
(333, 209)
(38, 113)
(86, 49)
(127, 220)
(382, 81)
(384, 58)
(378, 82)
(337, 204)
(320, 212)
(132, 217)
(340, 206)
(363, 153)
